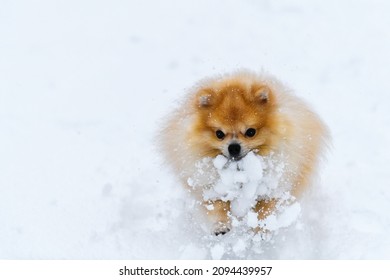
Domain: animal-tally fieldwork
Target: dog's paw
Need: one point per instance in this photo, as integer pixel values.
(221, 229)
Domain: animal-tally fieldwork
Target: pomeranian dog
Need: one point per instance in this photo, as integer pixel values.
(232, 115)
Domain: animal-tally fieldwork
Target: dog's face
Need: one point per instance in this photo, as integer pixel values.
(232, 119)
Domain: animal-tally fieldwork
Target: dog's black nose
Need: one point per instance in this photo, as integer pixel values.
(234, 149)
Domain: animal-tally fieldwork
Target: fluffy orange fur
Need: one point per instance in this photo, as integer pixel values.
(283, 124)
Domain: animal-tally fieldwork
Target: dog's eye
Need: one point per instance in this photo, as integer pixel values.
(220, 134)
(250, 132)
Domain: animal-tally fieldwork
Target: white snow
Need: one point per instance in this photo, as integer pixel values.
(284, 219)
(244, 182)
(217, 251)
(84, 86)
(251, 219)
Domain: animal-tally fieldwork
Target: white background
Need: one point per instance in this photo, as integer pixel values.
(84, 86)
(108, 269)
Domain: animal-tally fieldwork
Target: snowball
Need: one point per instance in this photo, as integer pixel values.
(220, 161)
(241, 205)
(238, 182)
(243, 183)
(253, 166)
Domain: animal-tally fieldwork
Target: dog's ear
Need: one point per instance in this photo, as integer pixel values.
(262, 94)
(205, 98)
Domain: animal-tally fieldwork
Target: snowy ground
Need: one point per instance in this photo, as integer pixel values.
(84, 86)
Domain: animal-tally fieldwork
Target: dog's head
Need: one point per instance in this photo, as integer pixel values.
(233, 116)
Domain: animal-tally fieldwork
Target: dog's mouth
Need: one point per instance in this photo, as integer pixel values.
(231, 159)
(237, 158)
